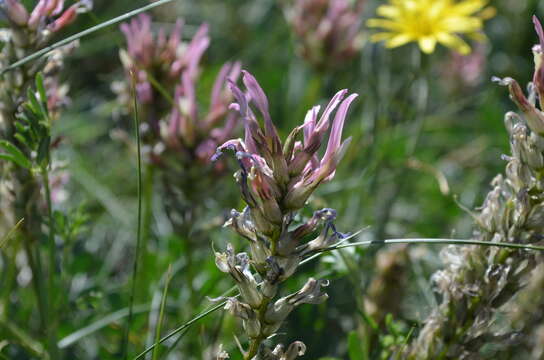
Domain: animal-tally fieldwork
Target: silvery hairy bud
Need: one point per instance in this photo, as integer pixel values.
(246, 313)
(310, 293)
(238, 267)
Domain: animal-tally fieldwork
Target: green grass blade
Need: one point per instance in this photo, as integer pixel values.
(139, 220)
(81, 34)
(437, 242)
(77, 335)
(161, 313)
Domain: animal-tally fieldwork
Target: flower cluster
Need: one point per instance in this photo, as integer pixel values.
(47, 17)
(327, 31)
(179, 138)
(165, 71)
(429, 22)
(275, 181)
(477, 280)
(27, 32)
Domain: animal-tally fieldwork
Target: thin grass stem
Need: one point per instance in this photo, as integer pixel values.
(52, 318)
(161, 313)
(139, 222)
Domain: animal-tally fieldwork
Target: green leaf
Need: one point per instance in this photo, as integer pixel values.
(43, 151)
(41, 87)
(15, 155)
(34, 104)
(43, 95)
(22, 139)
(355, 347)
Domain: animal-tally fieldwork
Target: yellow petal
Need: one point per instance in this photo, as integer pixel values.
(454, 42)
(388, 11)
(427, 44)
(469, 7)
(399, 40)
(381, 36)
(382, 23)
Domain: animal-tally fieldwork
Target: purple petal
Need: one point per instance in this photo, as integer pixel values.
(196, 49)
(310, 122)
(259, 98)
(219, 84)
(539, 31)
(324, 120)
(336, 132)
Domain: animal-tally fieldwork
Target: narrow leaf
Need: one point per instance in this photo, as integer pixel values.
(16, 155)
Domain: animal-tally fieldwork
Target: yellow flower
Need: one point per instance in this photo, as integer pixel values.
(431, 21)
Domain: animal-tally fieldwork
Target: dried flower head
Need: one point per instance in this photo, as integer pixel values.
(429, 22)
(327, 31)
(478, 280)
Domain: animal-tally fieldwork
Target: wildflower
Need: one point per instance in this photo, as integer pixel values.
(327, 31)
(275, 181)
(478, 280)
(267, 166)
(429, 22)
(178, 125)
(48, 16)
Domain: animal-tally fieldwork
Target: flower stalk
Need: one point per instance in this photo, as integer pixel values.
(478, 280)
(275, 180)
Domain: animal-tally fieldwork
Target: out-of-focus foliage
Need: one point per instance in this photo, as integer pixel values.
(427, 135)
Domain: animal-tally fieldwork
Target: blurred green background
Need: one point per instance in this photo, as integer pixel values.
(386, 185)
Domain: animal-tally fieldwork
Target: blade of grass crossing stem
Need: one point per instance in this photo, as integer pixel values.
(139, 220)
(341, 245)
(9, 235)
(81, 34)
(161, 314)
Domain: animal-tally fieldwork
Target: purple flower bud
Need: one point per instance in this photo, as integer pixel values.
(538, 52)
(16, 12)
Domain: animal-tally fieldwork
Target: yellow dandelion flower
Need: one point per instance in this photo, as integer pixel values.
(429, 22)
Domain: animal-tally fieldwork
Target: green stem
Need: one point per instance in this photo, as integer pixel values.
(138, 226)
(144, 275)
(52, 320)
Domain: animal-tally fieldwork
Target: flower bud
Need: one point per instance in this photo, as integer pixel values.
(16, 12)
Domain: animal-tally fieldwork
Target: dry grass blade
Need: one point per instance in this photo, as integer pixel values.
(9, 235)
